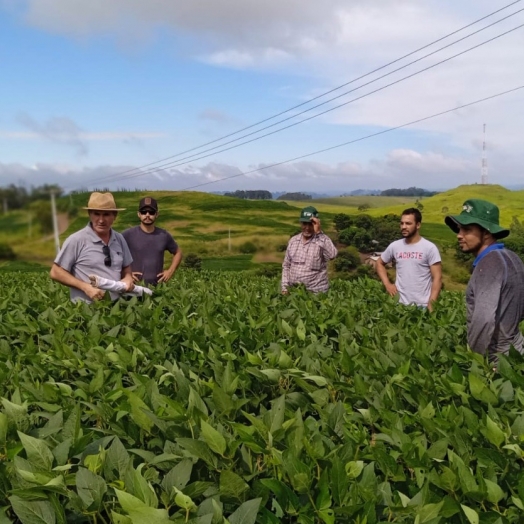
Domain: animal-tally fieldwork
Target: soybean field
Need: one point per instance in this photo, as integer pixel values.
(218, 400)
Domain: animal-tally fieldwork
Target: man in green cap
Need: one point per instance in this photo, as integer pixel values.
(307, 255)
(495, 292)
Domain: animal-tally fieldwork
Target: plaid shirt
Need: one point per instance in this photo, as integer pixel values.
(306, 262)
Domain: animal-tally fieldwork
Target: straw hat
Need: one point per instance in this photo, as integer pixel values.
(102, 202)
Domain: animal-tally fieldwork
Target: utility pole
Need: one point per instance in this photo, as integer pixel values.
(55, 222)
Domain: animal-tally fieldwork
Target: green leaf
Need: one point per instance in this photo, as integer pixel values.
(178, 476)
(17, 413)
(287, 328)
(33, 511)
(198, 449)
(246, 513)
(354, 468)
(232, 485)
(493, 433)
(277, 412)
(139, 512)
(196, 402)
(137, 411)
(3, 428)
(471, 514)
(339, 482)
(116, 518)
(37, 452)
(480, 391)
(213, 438)
(90, 488)
(429, 512)
(183, 501)
(117, 459)
(466, 478)
(495, 493)
(98, 381)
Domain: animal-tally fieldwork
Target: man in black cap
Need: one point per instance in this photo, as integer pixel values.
(495, 292)
(148, 243)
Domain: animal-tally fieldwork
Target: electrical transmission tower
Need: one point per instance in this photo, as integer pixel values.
(484, 168)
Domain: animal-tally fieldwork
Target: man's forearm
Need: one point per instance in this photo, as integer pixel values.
(60, 275)
(382, 273)
(177, 258)
(436, 286)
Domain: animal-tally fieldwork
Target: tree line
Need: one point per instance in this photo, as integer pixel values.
(18, 197)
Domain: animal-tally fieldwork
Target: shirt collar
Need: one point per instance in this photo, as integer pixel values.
(490, 248)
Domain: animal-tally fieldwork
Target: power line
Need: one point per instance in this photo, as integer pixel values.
(175, 164)
(316, 97)
(383, 132)
(194, 157)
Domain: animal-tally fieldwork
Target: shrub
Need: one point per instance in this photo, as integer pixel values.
(281, 248)
(271, 271)
(342, 221)
(247, 248)
(347, 260)
(346, 236)
(6, 252)
(192, 261)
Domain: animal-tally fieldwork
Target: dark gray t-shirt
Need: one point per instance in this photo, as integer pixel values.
(495, 303)
(148, 250)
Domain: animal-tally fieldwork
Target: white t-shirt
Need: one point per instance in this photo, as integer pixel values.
(413, 262)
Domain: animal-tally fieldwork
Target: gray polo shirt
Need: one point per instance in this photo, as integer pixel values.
(82, 255)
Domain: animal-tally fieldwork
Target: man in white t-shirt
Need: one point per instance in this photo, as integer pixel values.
(418, 264)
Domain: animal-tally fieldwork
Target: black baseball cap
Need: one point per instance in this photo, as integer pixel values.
(148, 203)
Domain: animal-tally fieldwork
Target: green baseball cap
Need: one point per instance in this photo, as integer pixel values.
(307, 214)
(479, 212)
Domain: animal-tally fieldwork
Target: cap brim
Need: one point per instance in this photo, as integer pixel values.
(455, 221)
(99, 209)
(305, 220)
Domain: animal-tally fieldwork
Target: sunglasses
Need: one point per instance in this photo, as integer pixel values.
(107, 254)
(147, 212)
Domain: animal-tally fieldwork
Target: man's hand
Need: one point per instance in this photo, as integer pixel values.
(128, 281)
(137, 276)
(316, 225)
(285, 292)
(391, 289)
(165, 276)
(94, 293)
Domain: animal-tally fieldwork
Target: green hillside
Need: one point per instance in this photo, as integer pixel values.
(511, 203)
(203, 222)
(200, 222)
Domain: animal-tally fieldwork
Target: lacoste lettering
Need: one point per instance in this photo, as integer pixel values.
(417, 255)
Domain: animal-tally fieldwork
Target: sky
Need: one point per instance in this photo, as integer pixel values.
(99, 94)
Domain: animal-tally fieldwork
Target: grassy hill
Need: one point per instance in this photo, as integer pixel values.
(511, 203)
(202, 222)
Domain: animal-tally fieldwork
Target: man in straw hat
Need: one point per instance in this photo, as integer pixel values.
(95, 250)
(307, 255)
(495, 292)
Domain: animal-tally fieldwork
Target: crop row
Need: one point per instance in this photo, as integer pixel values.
(220, 400)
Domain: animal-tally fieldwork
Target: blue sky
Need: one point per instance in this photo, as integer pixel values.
(93, 89)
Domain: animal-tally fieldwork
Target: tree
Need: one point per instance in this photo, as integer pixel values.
(342, 221)
(363, 207)
(295, 196)
(347, 259)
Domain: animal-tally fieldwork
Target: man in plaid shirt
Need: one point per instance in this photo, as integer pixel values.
(307, 255)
